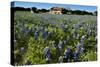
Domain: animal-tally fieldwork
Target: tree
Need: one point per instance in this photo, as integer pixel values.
(64, 11)
(95, 13)
(34, 9)
(44, 10)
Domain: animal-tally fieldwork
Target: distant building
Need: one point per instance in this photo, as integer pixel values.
(55, 10)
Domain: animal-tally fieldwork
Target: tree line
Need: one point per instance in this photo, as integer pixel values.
(64, 11)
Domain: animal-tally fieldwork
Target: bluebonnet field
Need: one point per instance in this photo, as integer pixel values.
(54, 38)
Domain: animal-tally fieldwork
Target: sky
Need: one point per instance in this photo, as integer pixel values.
(50, 5)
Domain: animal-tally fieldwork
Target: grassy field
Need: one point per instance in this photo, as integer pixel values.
(34, 32)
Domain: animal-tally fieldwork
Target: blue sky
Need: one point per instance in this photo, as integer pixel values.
(49, 5)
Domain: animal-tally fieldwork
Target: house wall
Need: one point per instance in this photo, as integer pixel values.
(55, 12)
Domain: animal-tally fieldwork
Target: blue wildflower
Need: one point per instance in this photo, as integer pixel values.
(76, 56)
(78, 47)
(47, 54)
(36, 35)
(44, 34)
(67, 54)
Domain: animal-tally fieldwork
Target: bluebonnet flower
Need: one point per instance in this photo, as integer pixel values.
(89, 31)
(36, 35)
(76, 26)
(76, 56)
(44, 34)
(26, 31)
(67, 54)
(82, 50)
(78, 47)
(63, 28)
(46, 50)
(47, 54)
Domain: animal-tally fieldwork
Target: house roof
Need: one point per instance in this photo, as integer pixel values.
(56, 8)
